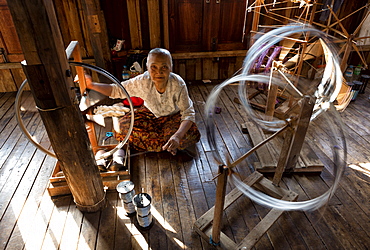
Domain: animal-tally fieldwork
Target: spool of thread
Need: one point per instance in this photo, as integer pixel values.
(146, 221)
(119, 156)
(102, 163)
(129, 208)
(142, 204)
(118, 162)
(126, 193)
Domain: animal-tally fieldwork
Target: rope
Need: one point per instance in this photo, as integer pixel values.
(92, 207)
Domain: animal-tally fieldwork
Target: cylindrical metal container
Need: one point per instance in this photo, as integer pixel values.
(142, 203)
(365, 80)
(126, 194)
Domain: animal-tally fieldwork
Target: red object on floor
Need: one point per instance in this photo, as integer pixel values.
(136, 101)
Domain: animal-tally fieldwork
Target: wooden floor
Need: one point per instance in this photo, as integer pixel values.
(182, 191)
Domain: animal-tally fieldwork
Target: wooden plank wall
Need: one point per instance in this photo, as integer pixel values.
(73, 23)
(218, 68)
(10, 77)
(139, 28)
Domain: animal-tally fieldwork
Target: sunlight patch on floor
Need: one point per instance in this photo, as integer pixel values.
(121, 212)
(362, 167)
(161, 220)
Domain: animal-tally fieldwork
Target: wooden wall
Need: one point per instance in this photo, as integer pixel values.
(11, 76)
(72, 17)
(145, 24)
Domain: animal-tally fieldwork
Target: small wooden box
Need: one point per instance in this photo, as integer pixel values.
(58, 185)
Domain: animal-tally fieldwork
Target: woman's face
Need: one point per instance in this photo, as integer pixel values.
(159, 67)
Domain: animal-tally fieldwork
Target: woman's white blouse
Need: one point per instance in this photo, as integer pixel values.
(173, 100)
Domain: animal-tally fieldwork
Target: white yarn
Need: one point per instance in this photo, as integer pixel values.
(116, 110)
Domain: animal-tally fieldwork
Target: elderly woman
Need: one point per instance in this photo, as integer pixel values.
(167, 119)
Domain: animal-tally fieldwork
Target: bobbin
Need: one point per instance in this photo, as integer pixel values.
(142, 203)
(126, 193)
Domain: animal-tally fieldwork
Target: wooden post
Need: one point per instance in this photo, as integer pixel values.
(134, 20)
(50, 81)
(166, 32)
(255, 22)
(154, 23)
(294, 139)
(271, 101)
(98, 35)
(219, 205)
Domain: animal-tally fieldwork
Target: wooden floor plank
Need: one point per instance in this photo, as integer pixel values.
(154, 189)
(13, 171)
(105, 239)
(331, 219)
(20, 147)
(6, 109)
(14, 196)
(172, 218)
(37, 208)
(12, 134)
(56, 224)
(185, 204)
(182, 191)
(199, 103)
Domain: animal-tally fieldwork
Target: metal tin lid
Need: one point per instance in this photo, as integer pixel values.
(142, 200)
(125, 187)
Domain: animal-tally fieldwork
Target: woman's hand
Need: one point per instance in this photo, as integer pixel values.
(88, 81)
(172, 144)
(103, 88)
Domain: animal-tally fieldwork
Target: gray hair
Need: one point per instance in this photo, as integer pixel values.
(162, 52)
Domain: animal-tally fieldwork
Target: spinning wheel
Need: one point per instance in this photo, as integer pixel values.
(21, 107)
(309, 101)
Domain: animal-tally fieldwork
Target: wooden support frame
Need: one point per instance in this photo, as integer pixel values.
(207, 225)
(57, 182)
(295, 132)
(295, 156)
(294, 139)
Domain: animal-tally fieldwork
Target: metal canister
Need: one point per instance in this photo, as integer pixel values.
(142, 204)
(126, 194)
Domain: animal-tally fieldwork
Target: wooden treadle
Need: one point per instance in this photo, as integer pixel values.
(203, 225)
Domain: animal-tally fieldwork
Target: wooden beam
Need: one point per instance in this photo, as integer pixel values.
(154, 23)
(50, 81)
(256, 19)
(193, 55)
(133, 7)
(98, 35)
(166, 29)
(18, 65)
